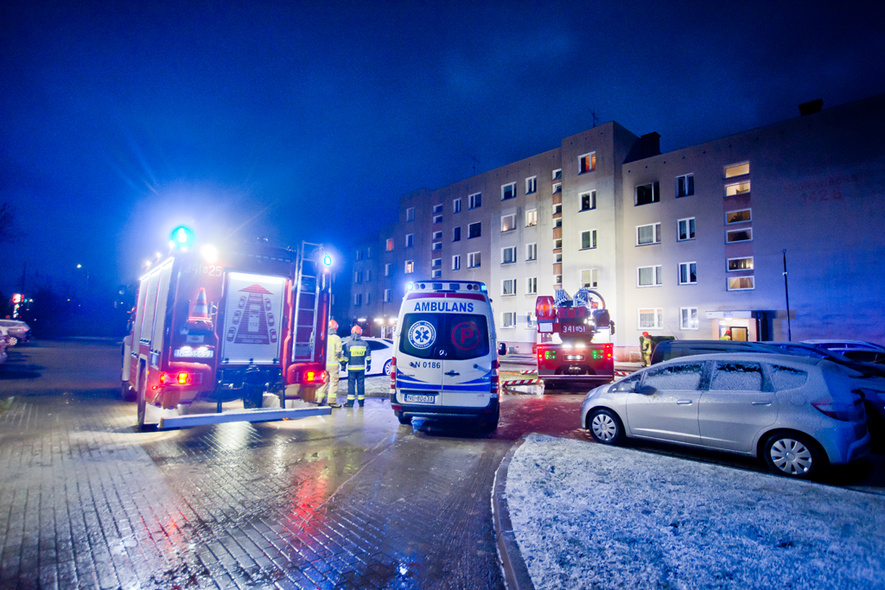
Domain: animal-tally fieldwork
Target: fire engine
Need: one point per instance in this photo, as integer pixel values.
(568, 331)
(228, 336)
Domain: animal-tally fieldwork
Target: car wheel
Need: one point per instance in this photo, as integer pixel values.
(793, 454)
(403, 419)
(387, 368)
(605, 427)
(11, 340)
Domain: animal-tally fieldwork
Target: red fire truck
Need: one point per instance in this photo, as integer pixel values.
(568, 334)
(228, 336)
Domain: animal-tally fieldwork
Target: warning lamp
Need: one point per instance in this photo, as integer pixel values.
(181, 238)
(327, 259)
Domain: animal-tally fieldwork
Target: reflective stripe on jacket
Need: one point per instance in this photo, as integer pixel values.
(334, 351)
(355, 352)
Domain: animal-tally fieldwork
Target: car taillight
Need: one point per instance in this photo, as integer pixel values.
(495, 365)
(393, 373)
(836, 410)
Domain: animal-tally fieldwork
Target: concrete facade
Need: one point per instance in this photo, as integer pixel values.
(807, 190)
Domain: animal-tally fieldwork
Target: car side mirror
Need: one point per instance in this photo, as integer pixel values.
(646, 390)
(625, 387)
(502, 348)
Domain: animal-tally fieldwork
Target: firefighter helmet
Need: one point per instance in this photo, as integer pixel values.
(356, 330)
(333, 325)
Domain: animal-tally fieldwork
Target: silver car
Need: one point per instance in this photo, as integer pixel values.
(797, 414)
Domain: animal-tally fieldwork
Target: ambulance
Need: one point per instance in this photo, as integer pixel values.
(445, 362)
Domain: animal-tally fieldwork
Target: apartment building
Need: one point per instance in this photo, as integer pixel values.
(691, 243)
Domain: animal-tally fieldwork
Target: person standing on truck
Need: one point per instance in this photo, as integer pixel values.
(645, 346)
(356, 353)
(334, 356)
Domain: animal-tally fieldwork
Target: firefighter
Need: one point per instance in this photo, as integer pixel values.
(334, 356)
(645, 343)
(356, 353)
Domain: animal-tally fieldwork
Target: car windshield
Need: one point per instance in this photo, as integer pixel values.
(450, 336)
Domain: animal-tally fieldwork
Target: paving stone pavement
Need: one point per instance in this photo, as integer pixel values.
(86, 502)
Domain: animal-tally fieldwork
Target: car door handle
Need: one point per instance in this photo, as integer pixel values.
(684, 402)
(762, 403)
(452, 373)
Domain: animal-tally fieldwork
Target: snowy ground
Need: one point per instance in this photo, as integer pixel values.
(590, 516)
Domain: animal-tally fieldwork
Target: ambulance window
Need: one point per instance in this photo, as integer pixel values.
(420, 332)
(468, 336)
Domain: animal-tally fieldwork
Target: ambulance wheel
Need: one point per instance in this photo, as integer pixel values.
(403, 419)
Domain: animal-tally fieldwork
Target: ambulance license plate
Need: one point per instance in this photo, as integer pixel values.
(419, 398)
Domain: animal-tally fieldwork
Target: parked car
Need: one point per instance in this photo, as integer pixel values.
(16, 331)
(798, 414)
(381, 350)
(671, 349)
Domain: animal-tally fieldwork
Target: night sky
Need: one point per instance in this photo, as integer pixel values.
(307, 120)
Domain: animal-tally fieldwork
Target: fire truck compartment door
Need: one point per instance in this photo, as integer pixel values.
(253, 312)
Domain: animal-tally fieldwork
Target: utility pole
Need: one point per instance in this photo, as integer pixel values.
(787, 294)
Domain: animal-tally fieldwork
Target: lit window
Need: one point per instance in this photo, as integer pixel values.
(456, 262)
(684, 185)
(737, 169)
(739, 216)
(588, 239)
(508, 191)
(508, 255)
(735, 264)
(531, 217)
(648, 234)
(456, 206)
(474, 230)
(531, 185)
(647, 193)
(531, 251)
(410, 214)
(508, 319)
(588, 200)
(508, 287)
(587, 163)
(651, 318)
(508, 222)
(410, 267)
(688, 273)
(685, 229)
(474, 260)
(738, 188)
(741, 283)
(474, 201)
(389, 245)
(531, 286)
(688, 318)
(739, 235)
(590, 278)
(649, 276)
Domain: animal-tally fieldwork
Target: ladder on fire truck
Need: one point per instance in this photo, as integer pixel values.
(309, 282)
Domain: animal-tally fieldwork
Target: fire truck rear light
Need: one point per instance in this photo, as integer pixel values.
(312, 376)
(183, 378)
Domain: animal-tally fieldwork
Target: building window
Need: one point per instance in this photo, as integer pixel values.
(456, 234)
(437, 236)
(557, 209)
(508, 255)
(508, 319)
(508, 222)
(368, 251)
(368, 299)
(590, 278)
(456, 206)
(436, 263)
(456, 262)
(588, 200)
(651, 318)
(508, 287)
(358, 299)
(474, 201)
(436, 246)
(410, 214)
(740, 264)
(557, 222)
(435, 274)
(588, 239)
(438, 209)
(531, 185)
(688, 318)
(357, 276)
(739, 235)
(739, 216)
(388, 269)
(684, 185)
(557, 187)
(557, 174)
(650, 276)
(388, 246)
(531, 251)
(737, 169)
(474, 260)
(648, 234)
(386, 295)
(741, 283)
(648, 193)
(368, 275)
(587, 163)
(410, 240)
(531, 217)
(359, 255)
(437, 219)
(688, 273)
(410, 267)
(508, 191)
(685, 229)
(474, 230)
(531, 286)
(737, 188)
(557, 244)
(557, 280)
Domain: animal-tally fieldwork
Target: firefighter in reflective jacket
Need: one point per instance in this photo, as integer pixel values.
(334, 356)
(356, 353)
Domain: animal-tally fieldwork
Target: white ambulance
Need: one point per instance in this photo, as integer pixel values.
(445, 361)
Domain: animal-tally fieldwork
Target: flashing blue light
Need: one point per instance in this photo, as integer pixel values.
(327, 259)
(182, 237)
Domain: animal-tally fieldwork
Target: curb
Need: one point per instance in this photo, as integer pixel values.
(516, 574)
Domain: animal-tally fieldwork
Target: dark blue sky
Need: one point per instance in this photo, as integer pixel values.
(307, 120)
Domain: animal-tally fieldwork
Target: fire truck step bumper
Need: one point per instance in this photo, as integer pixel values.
(262, 415)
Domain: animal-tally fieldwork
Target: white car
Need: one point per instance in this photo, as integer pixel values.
(381, 350)
(15, 331)
(796, 413)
